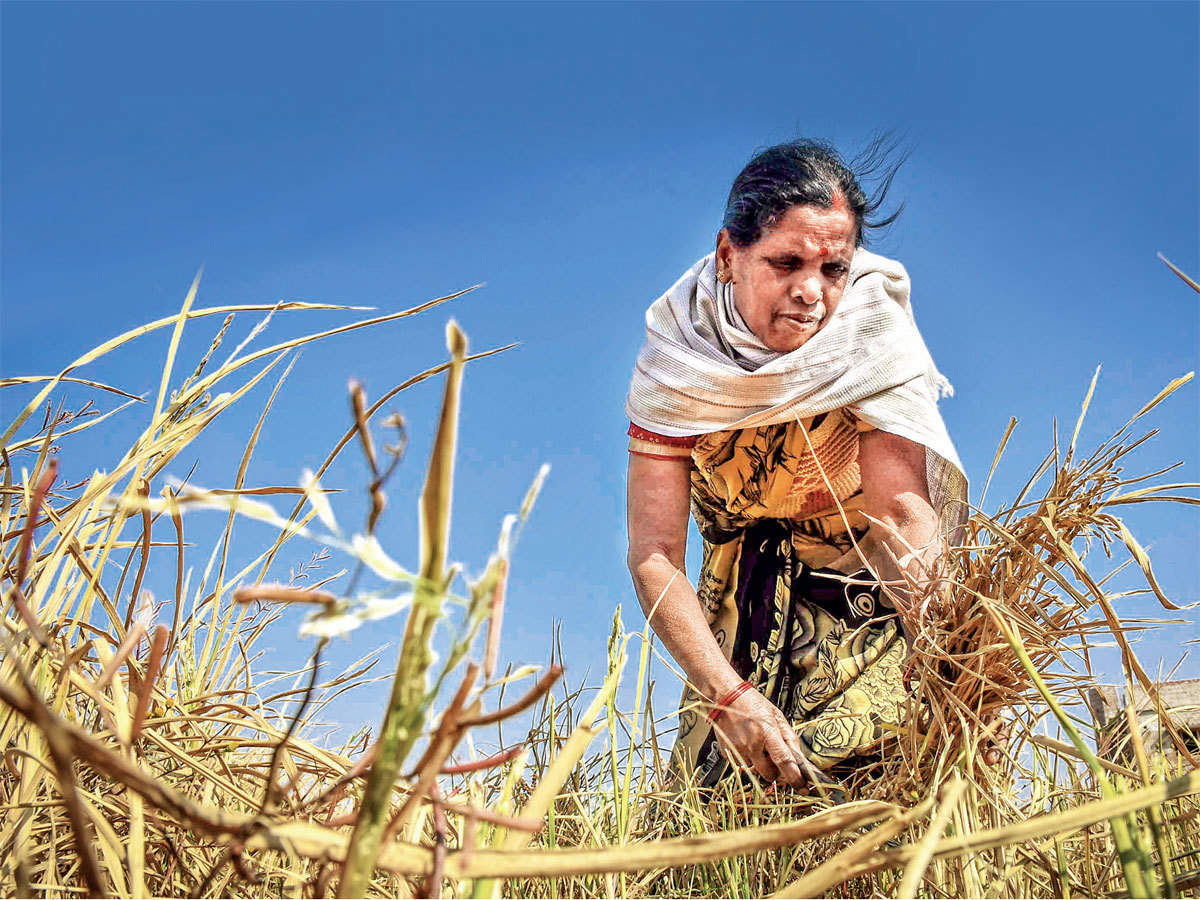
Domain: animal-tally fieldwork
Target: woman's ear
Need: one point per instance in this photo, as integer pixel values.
(724, 253)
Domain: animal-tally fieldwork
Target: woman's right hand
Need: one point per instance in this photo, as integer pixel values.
(753, 731)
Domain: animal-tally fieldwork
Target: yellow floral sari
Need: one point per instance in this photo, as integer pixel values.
(826, 653)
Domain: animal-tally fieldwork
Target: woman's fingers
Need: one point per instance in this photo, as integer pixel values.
(996, 745)
(810, 772)
(764, 766)
(789, 733)
(757, 734)
(790, 738)
(732, 748)
(741, 741)
(785, 760)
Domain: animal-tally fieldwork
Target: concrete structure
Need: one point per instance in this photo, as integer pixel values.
(1181, 699)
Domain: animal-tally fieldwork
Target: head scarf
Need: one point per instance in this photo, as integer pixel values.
(701, 369)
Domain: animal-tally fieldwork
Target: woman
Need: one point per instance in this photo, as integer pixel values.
(784, 392)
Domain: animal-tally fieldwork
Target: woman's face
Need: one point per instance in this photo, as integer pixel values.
(787, 284)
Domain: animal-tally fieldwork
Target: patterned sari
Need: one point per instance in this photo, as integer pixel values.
(827, 653)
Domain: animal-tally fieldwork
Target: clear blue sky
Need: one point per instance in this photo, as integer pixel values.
(576, 158)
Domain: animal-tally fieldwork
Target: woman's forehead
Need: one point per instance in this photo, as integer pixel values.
(807, 228)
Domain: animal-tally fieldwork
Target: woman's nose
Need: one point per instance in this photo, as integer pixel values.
(807, 291)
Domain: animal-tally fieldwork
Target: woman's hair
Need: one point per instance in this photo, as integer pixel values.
(812, 172)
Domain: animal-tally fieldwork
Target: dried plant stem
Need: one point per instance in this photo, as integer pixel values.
(153, 784)
(924, 853)
(270, 793)
(1154, 814)
(835, 871)
(1129, 855)
(406, 706)
(62, 758)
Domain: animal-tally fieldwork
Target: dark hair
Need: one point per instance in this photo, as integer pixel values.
(813, 172)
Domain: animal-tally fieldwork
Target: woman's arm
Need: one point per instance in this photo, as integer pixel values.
(895, 491)
(906, 528)
(658, 514)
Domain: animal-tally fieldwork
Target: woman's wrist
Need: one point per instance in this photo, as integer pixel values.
(728, 699)
(713, 686)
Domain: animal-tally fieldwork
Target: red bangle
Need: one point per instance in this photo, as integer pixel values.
(716, 711)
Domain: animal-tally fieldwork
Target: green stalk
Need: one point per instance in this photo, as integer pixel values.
(643, 665)
(1154, 813)
(1063, 870)
(551, 833)
(615, 771)
(561, 765)
(1127, 851)
(406, 710)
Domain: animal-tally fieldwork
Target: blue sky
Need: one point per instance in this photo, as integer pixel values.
(575, 157)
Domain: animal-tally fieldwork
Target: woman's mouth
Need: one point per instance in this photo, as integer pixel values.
(810, 319)
(802, 319)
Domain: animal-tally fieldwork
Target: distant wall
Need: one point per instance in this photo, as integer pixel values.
(1181, 700)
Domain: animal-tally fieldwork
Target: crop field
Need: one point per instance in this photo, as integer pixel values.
(145, 754)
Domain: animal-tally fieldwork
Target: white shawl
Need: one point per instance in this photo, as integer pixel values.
(702, 370)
